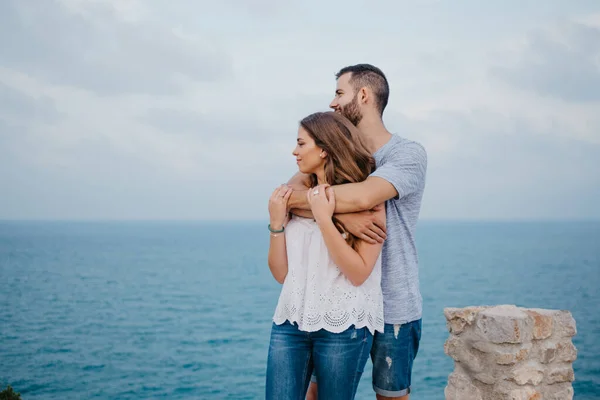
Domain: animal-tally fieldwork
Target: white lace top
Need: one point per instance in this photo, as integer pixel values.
(316, 294)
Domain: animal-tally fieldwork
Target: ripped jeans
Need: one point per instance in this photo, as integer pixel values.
(338, 360)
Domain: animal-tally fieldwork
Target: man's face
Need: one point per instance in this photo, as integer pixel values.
(345, 101)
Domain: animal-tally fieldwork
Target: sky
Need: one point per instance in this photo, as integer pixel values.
(188, 109)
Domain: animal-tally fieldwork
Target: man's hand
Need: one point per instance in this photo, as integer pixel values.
(369, 225)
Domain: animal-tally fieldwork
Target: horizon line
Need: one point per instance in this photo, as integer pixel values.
(265, 220)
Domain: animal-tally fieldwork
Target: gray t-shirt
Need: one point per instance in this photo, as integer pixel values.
(403, 163)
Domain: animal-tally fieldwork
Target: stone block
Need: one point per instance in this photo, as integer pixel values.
(562, 352)
(451, 345)
(510, 353)
(561, 391)
(559, 374)
(565, 324)
(486, 377)
(526, 393)
(504, 354)
(566, 351)
(460, 388)
(512, 358)
(461, 352)
(528, 373)
(562, 322)
(547, 352)
(543, 323)
(458, 318)
(504, 324)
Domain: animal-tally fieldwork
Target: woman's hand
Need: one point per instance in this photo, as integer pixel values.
(322, 202)
(278, 209)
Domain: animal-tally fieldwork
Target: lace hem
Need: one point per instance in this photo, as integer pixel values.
(333, 325)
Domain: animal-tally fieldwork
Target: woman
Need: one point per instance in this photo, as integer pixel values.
(331, 302)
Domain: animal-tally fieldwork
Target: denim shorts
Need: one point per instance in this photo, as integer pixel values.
(393, 353)
(337, 360)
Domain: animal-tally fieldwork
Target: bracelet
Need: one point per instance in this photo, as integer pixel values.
(276, 231)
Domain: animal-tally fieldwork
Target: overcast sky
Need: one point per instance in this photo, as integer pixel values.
(187, 109)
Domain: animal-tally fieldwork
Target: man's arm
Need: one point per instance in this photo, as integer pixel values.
(361, 196)
(297, 203)
(350, 197)
(401, 174)
(368, 225)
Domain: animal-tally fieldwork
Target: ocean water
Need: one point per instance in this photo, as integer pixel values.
(174, 310)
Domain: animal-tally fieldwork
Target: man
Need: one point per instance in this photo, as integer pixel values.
(361, 95)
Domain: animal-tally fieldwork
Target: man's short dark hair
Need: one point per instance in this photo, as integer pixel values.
(371, 77)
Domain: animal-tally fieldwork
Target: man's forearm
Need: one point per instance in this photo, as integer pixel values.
(298, 200)
(362, 196)
(308, 213)
(302, 213)
(349, 198)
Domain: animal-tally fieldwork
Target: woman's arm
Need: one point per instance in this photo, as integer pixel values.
(278, 263)
(358, 264)
(277, 259)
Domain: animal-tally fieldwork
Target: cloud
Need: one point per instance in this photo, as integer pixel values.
(101, 52)
(209, 127)
(148, 109)
(490, 165)
(564, 63)
(17, 106)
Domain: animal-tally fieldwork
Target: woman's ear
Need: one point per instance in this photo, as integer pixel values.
(323, 154)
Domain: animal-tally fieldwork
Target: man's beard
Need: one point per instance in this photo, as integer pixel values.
(352, 112)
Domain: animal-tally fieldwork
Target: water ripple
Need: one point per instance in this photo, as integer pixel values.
(178, 311)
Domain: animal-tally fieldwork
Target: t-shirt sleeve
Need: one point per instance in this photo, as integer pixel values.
(405, 168)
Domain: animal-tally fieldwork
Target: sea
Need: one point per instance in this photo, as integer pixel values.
(182, 310)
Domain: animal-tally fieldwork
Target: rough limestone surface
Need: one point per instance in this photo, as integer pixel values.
(507, 352)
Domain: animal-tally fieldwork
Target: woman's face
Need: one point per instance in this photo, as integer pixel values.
(308, 154)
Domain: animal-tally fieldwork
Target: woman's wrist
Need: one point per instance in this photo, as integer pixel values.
(323, 220)
(276, 225)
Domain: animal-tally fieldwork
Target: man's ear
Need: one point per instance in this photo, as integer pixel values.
(363, 95)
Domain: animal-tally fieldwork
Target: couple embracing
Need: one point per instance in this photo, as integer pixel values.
(343, 246)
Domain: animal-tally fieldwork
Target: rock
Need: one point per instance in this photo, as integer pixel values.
(529, 372)
(560, 374)
(461, 353)
(458, 318)
(561, 352)
(526, 393)
(561, 391)
(504, 324)
(547, 353)
(460, 388)
(566, 352)
(510, 353)
(566, 324)
(543, 323)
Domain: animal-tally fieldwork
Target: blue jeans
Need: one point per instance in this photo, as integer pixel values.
(393, 354)
(338, 360)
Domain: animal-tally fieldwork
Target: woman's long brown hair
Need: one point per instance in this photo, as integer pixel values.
(348, 158)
